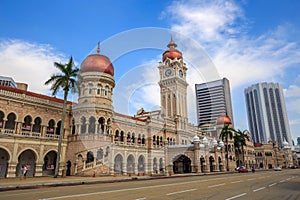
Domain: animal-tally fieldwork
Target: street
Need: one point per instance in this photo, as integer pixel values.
(265, 185)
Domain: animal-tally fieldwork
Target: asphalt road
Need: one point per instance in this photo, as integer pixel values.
(266, 185)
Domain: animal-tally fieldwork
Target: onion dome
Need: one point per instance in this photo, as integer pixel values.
(196, 138)
(214, 142)
(97, 63)
(224, 119)
(285, 143)
(172, 52)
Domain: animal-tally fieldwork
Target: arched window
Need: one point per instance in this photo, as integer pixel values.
(90, 88)
(133, 138)
(89, 157)
(117, 135)
(154, 140)
(106, 91)
(83, 125)
(92, 125)
(128, 137)
(1, 119)
(99, 88)
(143, 139)
(139, 139)
(57, 132)
(122, 136)
(101, 122)
(37, 125)
(26, 126)
(50, 128)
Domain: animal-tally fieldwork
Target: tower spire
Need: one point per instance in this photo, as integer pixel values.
(98, 48)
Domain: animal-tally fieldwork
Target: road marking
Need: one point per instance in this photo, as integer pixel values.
(17, 194)
(282, 181)
(236, 181)
(234, 197)
(211, 186)
(130, 189)
(272, 184)
(183, 191)
(141, 198)
(251, 179)
(259, 189)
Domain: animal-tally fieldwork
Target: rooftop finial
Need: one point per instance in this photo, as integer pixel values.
(172, 43)
(98, 49)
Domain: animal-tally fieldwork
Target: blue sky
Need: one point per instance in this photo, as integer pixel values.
(247, 42)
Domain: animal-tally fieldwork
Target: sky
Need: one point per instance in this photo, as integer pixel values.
(245, 41)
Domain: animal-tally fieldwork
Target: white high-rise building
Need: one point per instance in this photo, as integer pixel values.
(267, 116)
(213, 100)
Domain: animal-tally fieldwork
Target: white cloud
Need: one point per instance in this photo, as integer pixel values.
(243, 59)
(29, 63)
(205, 20)
(292, 91)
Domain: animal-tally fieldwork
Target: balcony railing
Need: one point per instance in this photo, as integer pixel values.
(27, 133)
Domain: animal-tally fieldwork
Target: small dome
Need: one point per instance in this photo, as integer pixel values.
(172, 53)
(97, 63)
(223, 120)
(214, 142)
(205, 140)
(196, 138)
(285, 143)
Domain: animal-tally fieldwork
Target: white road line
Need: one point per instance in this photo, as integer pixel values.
(236, 181)
(272, 184)
(211, 186)
(183, 191)
(35, 192)
(261, 177)
(141, 198)
(282, 181)
(259, 189)
(234, 197)
(130, 189)
(251, 179)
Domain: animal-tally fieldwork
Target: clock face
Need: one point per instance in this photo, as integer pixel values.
(180, 73)
(168, 72)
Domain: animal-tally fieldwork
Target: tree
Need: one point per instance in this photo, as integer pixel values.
(240, 138)
(226, 133)
(65, 80)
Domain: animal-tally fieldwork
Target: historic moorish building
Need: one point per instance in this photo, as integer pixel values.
(98, 140)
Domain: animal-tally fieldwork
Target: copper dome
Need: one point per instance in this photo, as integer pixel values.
(97, 63)
(223, 120)
(172, 53)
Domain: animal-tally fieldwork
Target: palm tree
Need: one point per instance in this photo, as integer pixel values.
(226, 133)
(64, 80)
(240, 138)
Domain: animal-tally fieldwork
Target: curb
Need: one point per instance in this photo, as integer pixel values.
(72, 183)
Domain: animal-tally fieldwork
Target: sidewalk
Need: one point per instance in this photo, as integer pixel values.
(34, 182)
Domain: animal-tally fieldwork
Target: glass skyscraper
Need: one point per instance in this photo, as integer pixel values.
(266, 111)
(213, 100)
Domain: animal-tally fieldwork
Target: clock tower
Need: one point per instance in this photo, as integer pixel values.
(173, 85)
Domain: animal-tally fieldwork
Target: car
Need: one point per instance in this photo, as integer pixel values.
(242, 169)
(293, 167)
(277, 168)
